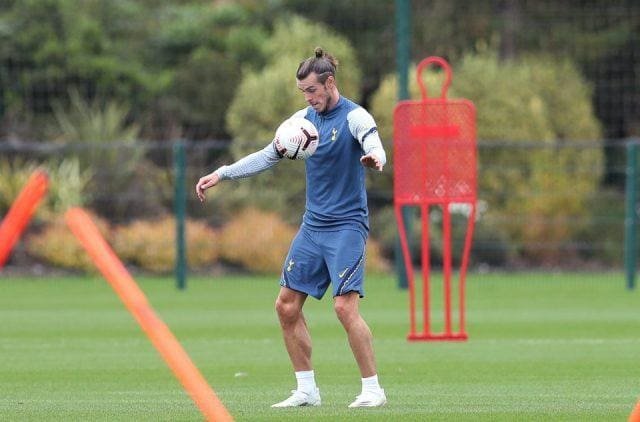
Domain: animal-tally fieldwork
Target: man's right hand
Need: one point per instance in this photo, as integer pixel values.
(205, 183)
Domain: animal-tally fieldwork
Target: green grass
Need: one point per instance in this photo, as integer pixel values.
(541, 347)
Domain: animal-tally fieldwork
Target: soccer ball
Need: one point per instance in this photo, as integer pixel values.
(296, 138)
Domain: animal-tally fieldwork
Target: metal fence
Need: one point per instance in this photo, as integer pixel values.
(543, 217)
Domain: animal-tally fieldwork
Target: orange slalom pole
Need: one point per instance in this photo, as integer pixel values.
(136, 302)
(635, 413)
(21, 212)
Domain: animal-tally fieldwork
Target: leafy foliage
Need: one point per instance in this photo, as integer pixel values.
(151, 244)
(266, 97)
(57, 245)
(257, 241)
(207, 47)
(62, 43)
(94, 122)
(375, 262)
(68, 184)
(201, 92)
(139, 53)
(368, 25)
(99, 125)
(535, 99)
(13, 176)
(175, 67)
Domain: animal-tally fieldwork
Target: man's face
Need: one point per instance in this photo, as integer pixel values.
(316, 94)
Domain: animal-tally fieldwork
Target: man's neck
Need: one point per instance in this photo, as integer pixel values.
(335, 99)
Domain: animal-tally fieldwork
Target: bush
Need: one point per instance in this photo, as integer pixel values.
(199, 97)
(375, 262)
(151, 245)
(67, 184)
(256, 240)
(249, 121)
(252, 124)
(206, 47)
(534, 100)
(13, 177)
(98, 124)
(57, 245)
(547, 102)
(92, 44)
(259, 242)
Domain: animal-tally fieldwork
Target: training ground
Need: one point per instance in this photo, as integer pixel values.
(541, 347)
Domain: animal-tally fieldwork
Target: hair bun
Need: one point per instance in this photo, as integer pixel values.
(318, 52)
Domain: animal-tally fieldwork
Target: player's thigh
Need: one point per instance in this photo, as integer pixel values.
(304, 268)
(345, 255)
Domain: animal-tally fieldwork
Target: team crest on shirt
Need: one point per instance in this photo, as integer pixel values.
(334, 133)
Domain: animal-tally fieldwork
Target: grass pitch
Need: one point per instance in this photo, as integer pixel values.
(541, 347)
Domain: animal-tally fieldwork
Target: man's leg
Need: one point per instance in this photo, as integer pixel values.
(361, 342)
(298, 343)
(360, 338)
(294, 328)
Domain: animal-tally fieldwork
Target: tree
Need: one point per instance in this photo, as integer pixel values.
(49, 46)
(206, 50)
(369, 25)
(175, 65)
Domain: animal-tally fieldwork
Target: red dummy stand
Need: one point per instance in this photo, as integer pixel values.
(435, 165)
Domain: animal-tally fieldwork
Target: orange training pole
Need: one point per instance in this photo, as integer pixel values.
(136, 302)
(635, 414)
(21, 212)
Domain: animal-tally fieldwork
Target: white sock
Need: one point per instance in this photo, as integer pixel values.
(370, 384)
(306, 381)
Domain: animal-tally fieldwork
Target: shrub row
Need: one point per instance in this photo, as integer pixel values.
(253, 240)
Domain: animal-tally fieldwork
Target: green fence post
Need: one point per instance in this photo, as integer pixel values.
(631, 216)
(180, 201)
(403, 40)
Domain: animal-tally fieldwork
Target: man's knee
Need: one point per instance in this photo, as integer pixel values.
(346, 309)
(288, 310)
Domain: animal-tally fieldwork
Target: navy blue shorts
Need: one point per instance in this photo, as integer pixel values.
(317, 258)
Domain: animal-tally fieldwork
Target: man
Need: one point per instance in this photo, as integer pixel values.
(330, 245)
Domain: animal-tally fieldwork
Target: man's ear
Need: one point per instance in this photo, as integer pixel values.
(330, 82)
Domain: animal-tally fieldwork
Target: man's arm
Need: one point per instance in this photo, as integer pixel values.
(374, 155)
(248, 166)
(363, 128)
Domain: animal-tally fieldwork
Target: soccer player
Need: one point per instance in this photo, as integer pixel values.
(329, 248)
